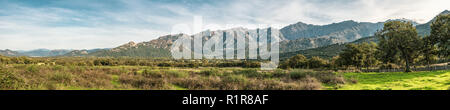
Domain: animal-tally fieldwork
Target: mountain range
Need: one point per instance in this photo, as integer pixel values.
(298, 38)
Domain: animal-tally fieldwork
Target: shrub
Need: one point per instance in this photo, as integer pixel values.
(329, 77)
(143, 83)
(150, 73)
(310, 83)
(177, 74)
(299, 73)
(33, 69)
(199, 83)
(64, 78)
(279, 73)
(248, 73)
(211, 72)
(323, 76)
(234, 79)
(9, 80)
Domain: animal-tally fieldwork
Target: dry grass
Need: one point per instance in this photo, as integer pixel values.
(34, 77)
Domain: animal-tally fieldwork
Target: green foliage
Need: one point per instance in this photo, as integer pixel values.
(399, 38)
(240, 79)
(211, 72)
(358, 55)
(249, 73)
(64, 78)
(317, 62)
(298, 61)
(176, 74)
(10, 80)
(299, 73)
(440, 34)
(428, 51)
(152, 73)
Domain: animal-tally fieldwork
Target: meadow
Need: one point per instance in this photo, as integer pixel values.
(70, 77)
(43, 77)
(425, 80)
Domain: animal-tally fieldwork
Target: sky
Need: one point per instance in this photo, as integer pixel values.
(88, 24)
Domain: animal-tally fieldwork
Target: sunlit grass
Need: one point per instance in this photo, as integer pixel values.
(435, 80)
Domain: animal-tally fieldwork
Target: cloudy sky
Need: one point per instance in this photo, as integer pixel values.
(87, 24)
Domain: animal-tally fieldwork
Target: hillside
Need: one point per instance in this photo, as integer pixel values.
(8, 52)
(325, 51)
(153, 49)
(44, 52)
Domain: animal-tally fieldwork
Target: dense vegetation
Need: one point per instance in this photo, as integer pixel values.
(21, 76)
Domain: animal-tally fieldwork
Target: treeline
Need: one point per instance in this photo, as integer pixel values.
(128, 61)
(399, 46)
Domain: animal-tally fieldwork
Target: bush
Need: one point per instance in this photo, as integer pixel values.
(64, 78)
(279, 73)
(151, 74)
(200, 83)
(310, 83)
(10, 80)
(33, 69)
(248, 73)
(234, 79)
(143, 83)
(323, 76)
(299, 74)
(177, 74)
(211, 72)
(329, 77)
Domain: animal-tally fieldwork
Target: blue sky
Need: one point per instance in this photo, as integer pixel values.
(86, 24)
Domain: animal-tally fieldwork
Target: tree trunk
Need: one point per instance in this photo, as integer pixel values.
(407, 65)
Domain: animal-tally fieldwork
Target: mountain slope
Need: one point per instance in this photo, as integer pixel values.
(425, 29)
(44, 52)
(326, 51)
(157, 48)
(305, 36)
(8, 52)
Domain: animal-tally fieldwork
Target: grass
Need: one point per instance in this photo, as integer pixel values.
(435, 80)
(57, 77)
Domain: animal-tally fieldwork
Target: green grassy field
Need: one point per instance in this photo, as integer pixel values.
(57, 77)
(435, 80)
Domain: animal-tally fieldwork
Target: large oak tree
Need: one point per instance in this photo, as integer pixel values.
(399, 37)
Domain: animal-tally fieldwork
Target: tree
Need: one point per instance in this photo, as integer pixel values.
(369, 52)
(317, 62)
(440, 34)
(298, 61)
(359, 55)
(402, 38)
(428, 51)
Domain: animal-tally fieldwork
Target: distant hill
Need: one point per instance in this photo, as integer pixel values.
(158, 48)
(83, 52)
(44, 52)
(8, 52)
(326, 51)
